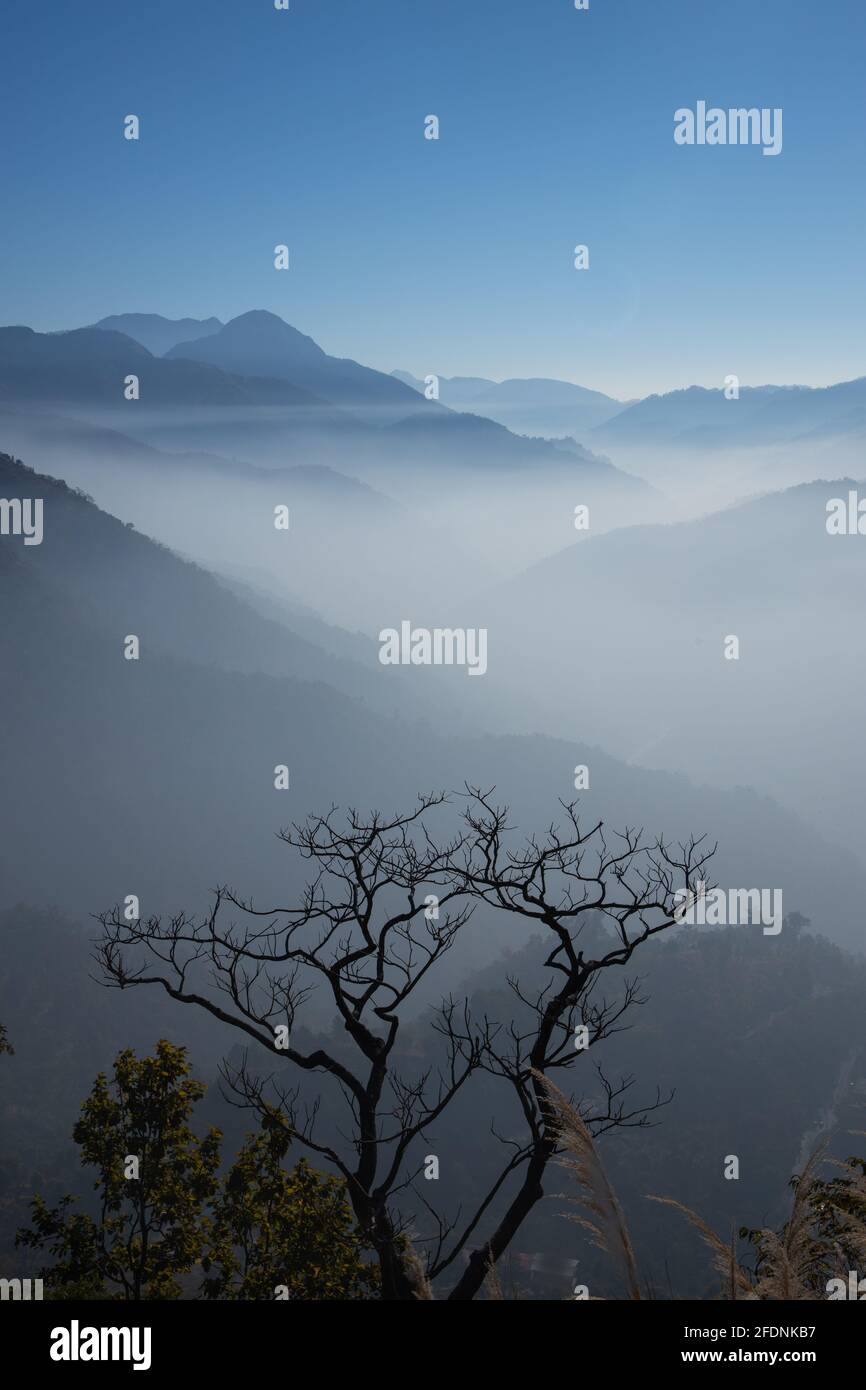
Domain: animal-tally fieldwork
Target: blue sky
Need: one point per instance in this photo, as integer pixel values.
(306, 127)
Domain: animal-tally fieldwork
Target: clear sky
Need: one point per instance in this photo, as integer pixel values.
(307, 127)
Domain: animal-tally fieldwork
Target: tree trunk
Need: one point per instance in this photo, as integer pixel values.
(480, 1261)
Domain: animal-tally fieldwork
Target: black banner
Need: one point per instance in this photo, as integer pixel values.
(236, 1339)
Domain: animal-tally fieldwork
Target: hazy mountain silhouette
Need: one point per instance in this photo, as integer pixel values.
(532, 405)
(156, 776)
(260, 343)
(643, 663)
(697, 417)
(221, 511)
(51, 441)
(394, 436)
(156, 333)
(120, 577)
(445, 436)
(88, 367)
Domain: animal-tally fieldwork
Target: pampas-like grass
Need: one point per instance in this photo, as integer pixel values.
(852, 1224)
(790, 1260)
(737, 1281)
(415, 1271)
(793, 1263)
(602, 1216)
(493, 1284)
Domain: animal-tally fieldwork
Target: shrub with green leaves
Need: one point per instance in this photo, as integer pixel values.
(262, 1232)
(283, 1234)
(150, 1229)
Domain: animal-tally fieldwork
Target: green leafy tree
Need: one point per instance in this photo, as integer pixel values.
(279, 1233)
(154, 1177)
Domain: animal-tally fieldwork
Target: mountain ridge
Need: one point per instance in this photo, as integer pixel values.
(90, 366)
(155, 332)
(260, 343)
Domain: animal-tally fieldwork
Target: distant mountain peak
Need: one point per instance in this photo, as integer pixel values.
(89, 365)
(260, 316)
(262, 327)
(156, 333)
(260, 343)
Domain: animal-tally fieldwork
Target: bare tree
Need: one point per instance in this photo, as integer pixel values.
(366, 931)
(384, 905)
(565, 883)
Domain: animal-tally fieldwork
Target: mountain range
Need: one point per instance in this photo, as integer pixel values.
(699, 418)
(156, 333)
(533, 406)
(257, 359)
(90, 366)
(262, 344)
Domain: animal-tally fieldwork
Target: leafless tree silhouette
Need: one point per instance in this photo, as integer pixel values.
(564, 884)
(383, 906)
